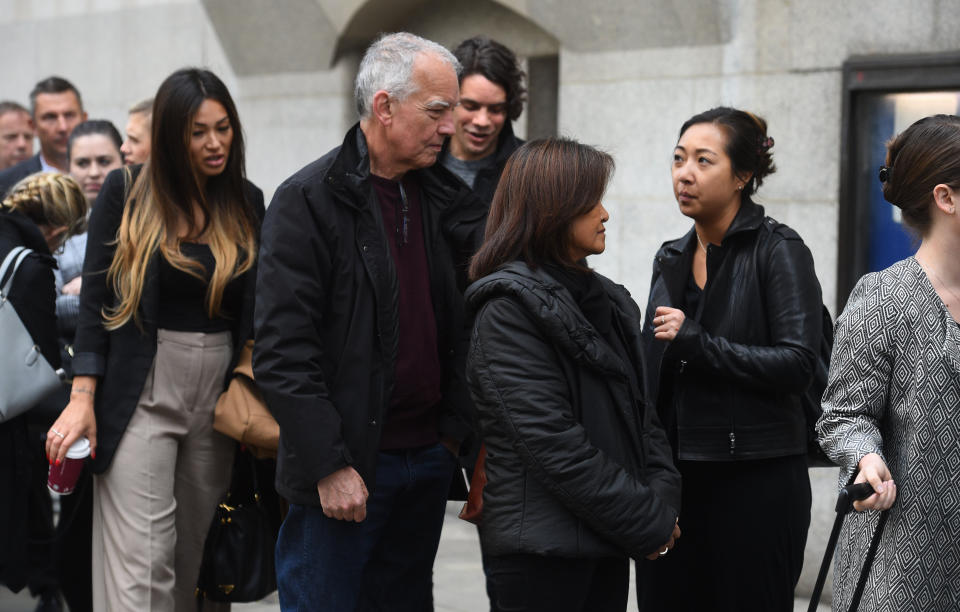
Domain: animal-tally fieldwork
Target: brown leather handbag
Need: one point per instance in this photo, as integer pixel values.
(241, 412)
(472, 510)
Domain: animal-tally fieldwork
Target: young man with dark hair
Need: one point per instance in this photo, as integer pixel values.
(492, 94)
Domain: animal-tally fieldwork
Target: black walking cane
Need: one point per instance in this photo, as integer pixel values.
(848, 495)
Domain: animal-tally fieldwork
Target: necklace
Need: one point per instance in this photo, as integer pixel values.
(944, 285)
(700, 242)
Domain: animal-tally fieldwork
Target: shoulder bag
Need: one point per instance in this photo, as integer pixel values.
(242, 414)
(238, 555)
(25, 375)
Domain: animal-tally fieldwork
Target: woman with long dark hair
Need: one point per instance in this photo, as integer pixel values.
(890, 408)
(732, 331)
(579, 472)
(166, 303)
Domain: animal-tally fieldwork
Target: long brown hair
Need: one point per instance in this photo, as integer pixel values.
(545, 185)
(165, 192)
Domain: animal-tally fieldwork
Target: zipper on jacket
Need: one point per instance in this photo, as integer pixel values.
(733, 442)
(683, 364)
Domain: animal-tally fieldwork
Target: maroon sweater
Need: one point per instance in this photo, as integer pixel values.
(413, 413)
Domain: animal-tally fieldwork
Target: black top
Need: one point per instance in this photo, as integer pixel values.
(692, 295)
(184, 296)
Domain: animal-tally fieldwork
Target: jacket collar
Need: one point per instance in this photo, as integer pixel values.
(507, 143)
(553, 308)
(349, 175)
(748, 218)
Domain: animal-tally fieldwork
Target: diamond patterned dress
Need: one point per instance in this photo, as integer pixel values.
(894, 389)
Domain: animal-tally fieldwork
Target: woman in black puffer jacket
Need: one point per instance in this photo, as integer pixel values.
(579, 472)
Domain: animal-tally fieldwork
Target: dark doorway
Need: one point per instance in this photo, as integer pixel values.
(883, 96)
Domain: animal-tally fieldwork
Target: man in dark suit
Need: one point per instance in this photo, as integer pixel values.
(55, 109)
(16, 134)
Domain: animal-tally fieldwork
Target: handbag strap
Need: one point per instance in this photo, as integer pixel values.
(15, 257)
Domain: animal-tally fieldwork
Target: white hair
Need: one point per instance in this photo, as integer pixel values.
(388, 65)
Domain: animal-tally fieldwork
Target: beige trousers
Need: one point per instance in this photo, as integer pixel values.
(153, 506)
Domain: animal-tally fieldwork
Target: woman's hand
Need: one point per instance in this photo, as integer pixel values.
(667, 322)
(662, 550)
(76, 421)
(73, 287)
(875, 471)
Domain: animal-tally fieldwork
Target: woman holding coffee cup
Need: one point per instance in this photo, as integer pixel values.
(40, 213)
(167, 300)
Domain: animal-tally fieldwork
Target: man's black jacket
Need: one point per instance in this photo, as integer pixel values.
(727, 388)
(326, 312)
(10, 176)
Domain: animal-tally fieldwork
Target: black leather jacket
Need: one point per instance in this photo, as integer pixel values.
(576, 464)
(727, 388)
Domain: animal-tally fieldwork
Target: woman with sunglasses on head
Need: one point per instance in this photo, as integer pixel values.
(732, 332)
(166, 303)
(579, 475)
(890, 408)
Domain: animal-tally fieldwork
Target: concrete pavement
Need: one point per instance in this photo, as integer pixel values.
(458, 577)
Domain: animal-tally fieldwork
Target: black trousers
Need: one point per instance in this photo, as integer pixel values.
(744, 527)
(537, 583)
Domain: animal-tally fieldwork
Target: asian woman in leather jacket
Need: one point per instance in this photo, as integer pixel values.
(731, 333)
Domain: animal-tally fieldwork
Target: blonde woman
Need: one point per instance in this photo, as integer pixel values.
(41, 212)
(166, 301)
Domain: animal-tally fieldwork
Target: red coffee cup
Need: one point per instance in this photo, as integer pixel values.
(63, 478)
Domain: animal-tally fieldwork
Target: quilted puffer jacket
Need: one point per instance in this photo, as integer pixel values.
(577, 465)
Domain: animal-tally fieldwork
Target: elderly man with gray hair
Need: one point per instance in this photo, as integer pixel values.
(360, 337)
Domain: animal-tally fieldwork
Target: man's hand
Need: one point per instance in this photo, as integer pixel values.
(343, 496)
(666, 547)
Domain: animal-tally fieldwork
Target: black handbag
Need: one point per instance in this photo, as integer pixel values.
(238, 555)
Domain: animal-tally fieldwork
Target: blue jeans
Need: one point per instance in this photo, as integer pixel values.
(382, 563)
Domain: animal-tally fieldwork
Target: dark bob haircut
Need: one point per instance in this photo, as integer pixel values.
(545, 186)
